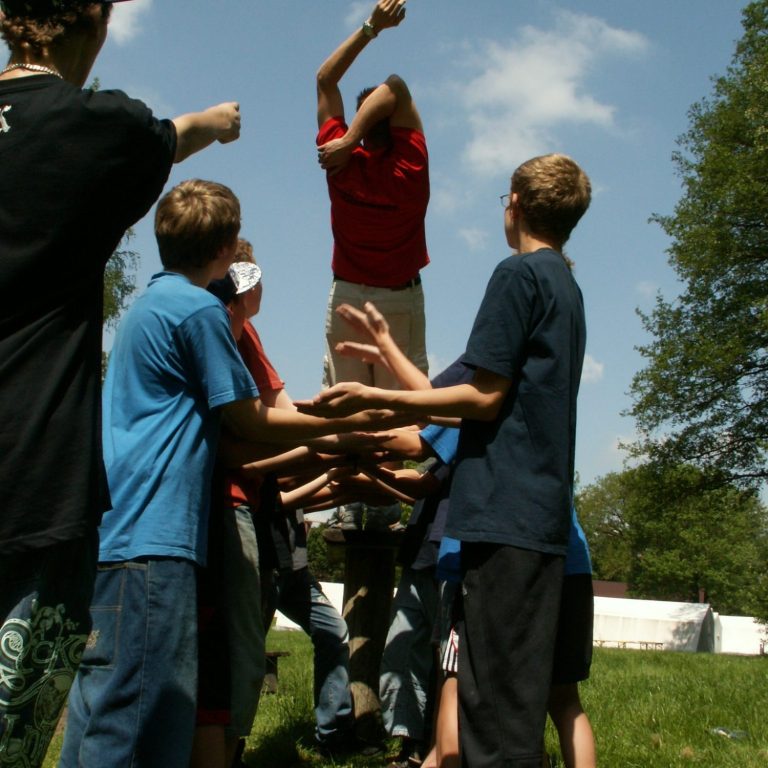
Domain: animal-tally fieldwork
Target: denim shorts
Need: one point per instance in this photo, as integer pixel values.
(133, 700)
(44, 598)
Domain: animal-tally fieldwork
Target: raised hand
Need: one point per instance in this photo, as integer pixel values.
(387, 13)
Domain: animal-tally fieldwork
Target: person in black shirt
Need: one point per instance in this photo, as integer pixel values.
(78, 168)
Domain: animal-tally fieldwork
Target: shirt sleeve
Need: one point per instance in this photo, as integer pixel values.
(215, 363)
(444, 441)
(500, 332)
(332, 128)
(142, 149)
(257, 362)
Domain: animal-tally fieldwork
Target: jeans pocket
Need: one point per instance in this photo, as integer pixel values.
(101, 649)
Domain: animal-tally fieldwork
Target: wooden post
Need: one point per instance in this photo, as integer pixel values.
(369, 582)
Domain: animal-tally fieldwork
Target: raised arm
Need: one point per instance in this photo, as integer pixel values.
(391, 100)
(386, 13)
(196, 130)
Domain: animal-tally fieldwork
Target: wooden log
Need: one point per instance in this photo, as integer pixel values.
(369, 583)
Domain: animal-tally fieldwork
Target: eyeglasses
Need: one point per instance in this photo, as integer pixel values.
(504, 200)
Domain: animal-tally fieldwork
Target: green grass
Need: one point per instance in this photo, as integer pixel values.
(648, 709)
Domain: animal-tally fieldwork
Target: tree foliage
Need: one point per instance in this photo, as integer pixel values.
(702, 398)
(675, 533)
(119, 285)
(119, 280)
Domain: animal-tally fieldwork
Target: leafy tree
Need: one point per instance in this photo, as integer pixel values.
(119, 285)
(602, 509)
(326, 564)
(702, 398)
(119, 280)
(681, 534)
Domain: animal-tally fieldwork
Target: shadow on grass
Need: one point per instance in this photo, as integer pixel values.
(287, 745)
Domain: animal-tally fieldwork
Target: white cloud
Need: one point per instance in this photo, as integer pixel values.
(475, 238)
(647, 289)
(358, 12)
(446, 195)
(526, 89)
(592, 370)
(124, 24)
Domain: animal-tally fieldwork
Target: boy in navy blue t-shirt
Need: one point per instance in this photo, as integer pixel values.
(511, 494)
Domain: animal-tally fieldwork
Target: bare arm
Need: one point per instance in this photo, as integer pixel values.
(392, 100)
(386, 13)
(481, 399)
(196, 130)
(252, 421)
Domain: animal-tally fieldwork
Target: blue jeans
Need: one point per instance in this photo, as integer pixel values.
(133, 701)
(407, 663)
(44, 598)
(298, 595)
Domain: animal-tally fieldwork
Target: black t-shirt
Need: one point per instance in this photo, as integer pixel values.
(77, 168)
(512, 483)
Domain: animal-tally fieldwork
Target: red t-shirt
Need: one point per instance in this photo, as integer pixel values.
(237, 488)
(378, 205)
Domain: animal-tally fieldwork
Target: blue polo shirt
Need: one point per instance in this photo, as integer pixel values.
(173, 364)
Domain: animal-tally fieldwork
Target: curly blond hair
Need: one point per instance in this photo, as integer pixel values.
(35, 30)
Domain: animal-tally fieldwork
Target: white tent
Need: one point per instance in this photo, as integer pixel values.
(740, 634)
(654, 624)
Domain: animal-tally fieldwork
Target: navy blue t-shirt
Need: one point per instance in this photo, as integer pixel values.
(512, 483)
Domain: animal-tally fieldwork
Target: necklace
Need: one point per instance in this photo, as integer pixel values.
(33, 68)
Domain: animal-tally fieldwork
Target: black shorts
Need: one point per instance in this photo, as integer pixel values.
(506, 645)
(573, 646)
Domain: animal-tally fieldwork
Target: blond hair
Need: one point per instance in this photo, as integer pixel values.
(34, 31)
(244, 251)
(194, 221)
(553, 194)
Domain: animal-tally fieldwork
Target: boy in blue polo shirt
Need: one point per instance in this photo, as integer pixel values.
(511, 493)
(174, 376)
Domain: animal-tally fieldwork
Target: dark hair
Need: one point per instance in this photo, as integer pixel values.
(35, 26)
(379, 135)
(194, 221)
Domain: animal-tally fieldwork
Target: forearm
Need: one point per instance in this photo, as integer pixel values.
(197, 130)
(296, 460)
(252, 421)
(378, 106)
(409, 376)
(234, 453)
(463, 401)
(336, 65)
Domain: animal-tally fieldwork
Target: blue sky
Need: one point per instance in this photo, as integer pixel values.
(608, 82)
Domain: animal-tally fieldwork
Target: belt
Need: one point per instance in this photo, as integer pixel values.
(412, 283)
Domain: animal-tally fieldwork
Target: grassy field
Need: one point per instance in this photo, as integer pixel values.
(649, 710)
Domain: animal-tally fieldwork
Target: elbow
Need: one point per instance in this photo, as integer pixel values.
(397, 85)
(487, 409)
(322, 80)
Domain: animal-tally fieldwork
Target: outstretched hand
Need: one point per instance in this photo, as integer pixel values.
(367, 353)
(339, 400)
(369, 322)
